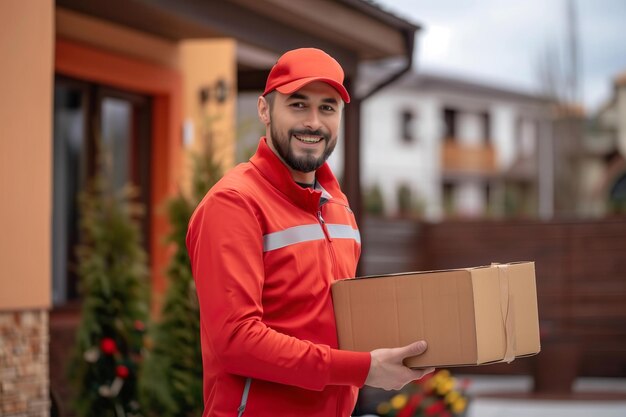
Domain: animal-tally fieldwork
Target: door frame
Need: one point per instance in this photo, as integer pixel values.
(164, 85)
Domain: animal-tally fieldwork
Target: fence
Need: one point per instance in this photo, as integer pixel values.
(580, 270)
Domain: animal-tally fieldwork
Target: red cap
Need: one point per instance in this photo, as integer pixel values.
(299, 67)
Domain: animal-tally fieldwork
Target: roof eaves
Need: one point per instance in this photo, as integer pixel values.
(377, 11)
(423, 80)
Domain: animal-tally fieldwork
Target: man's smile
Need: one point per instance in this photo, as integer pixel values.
(308, 138)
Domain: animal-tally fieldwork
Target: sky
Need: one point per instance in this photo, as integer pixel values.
(500, 41)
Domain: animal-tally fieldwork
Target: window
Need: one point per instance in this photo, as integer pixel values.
(617, 196)
(449, 120)
(449, 203)
(85, 114)
(70, 106)
(519, 136)
(405, 200)
(488, 196)
(486, 122)
(407, 126)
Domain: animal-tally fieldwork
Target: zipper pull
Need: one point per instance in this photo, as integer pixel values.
(323, 224)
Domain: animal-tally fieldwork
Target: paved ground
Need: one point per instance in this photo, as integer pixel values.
(512, 397)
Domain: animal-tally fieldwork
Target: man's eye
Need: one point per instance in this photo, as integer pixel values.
(328, 108)
(297, 105)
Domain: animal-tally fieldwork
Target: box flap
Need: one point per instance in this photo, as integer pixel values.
(489, 326)
(524, 290)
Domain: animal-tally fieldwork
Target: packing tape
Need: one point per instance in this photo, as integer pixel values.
(507, 310)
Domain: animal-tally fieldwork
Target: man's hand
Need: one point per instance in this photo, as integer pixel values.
(387, 370)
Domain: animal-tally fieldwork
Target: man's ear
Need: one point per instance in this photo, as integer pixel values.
(263, 109)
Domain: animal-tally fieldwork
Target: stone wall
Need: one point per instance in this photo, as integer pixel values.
(24, 364)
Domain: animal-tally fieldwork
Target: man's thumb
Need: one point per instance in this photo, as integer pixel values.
(414, 349)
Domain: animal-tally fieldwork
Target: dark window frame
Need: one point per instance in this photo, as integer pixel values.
(450, 118)
(66, 214)
(407, 125)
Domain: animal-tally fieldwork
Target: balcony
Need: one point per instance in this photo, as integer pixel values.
(468, 159)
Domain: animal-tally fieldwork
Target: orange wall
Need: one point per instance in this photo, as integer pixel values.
(26, 50)
(172, 73)
(115, 38)
(27, 33)
(203, 62)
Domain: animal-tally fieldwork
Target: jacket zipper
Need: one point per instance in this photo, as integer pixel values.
(329, 242)
(331, 250)
(323, 224)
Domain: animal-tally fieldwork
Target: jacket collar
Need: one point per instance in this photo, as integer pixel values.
(277, 173)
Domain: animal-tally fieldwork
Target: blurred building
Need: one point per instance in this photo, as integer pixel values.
(153, 80)
(441, 147)
(604, 163)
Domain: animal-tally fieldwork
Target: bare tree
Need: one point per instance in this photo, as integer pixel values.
(558, 75)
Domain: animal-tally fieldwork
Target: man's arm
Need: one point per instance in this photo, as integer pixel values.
(225, 245)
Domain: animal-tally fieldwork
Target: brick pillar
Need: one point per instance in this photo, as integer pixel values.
(24, 364)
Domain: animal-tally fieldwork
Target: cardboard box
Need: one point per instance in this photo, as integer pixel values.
(468, 316)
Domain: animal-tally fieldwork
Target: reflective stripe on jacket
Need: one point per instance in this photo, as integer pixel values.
(264, 252)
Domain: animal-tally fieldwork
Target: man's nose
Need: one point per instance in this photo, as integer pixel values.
(312, 120)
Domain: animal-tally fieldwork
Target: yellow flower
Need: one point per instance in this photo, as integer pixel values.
(440, 378)
(383, 408)
(398, 401)
(452, 396)
(459, 405)
(445, 386)
(443, 374)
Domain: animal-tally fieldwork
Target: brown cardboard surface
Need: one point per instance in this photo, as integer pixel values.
(468, 316)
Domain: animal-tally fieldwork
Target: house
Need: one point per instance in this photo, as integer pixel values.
(143, 77)
(443, 147)
(604, 162)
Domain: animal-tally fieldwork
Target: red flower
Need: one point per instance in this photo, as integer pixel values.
(108, 346)
(410, 408)
(435, 408)
(122, 371)
(140, 326)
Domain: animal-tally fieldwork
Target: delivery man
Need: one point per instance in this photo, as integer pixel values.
(266, 243)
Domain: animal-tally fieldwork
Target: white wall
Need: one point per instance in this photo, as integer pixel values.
(503, 132)
(389, 161)
(469, 199)
(469, 129)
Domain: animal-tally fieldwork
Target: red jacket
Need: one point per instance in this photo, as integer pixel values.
(264, 252)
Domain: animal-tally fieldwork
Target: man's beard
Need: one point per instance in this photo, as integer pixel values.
(308, 162)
